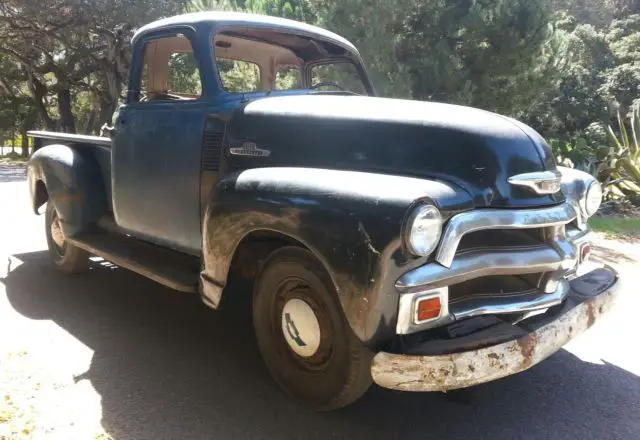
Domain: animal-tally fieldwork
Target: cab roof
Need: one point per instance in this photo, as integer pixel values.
(243, 19)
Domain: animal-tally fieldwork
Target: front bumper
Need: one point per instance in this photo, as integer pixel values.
(591, 296)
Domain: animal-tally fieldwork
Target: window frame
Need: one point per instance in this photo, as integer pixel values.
(135, 82)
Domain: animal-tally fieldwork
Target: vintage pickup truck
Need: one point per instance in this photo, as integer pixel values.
(419, 245)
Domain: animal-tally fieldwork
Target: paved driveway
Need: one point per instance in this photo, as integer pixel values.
(110, 352)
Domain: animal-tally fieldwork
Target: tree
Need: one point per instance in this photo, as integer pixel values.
(66, 47)
(483, 53)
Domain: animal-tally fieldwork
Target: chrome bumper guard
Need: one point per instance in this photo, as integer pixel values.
(557, 258)
(593, 297)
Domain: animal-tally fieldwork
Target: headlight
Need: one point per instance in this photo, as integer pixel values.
(593, 198)
(423, 230)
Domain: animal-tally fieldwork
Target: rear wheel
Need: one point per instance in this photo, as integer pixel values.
(66, 257)
(304, 338)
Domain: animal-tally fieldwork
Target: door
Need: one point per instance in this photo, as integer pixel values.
(157, 145)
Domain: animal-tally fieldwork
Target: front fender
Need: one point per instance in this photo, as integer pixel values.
(351, 221)
(73, 183)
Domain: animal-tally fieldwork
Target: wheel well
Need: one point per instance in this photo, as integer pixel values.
(40, 195)
(254, 249)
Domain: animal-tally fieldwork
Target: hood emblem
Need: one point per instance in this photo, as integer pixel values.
(541, 182)
(249, 149)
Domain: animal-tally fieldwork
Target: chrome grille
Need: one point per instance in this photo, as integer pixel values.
(481, 255)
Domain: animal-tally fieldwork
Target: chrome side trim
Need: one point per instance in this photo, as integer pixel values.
(481, 263)
(541, 182)
(501, 304)
(407, 322)
(481, 219)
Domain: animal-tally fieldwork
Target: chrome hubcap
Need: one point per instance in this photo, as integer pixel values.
(56, 232)
(300, 327)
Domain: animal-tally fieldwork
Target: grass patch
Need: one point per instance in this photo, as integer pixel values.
(616, 226)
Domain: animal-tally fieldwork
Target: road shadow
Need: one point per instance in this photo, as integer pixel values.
(10, 172)
(167, 367)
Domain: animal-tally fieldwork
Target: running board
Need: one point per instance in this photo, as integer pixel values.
(165, 266)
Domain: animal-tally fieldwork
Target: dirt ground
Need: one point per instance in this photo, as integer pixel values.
(109, 354)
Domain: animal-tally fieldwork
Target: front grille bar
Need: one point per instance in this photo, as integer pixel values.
(482, 219)
(479, 264)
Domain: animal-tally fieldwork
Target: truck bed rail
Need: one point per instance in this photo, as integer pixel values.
(71, 138)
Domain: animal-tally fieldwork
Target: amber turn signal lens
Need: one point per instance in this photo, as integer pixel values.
(428, 309)
(585, 253)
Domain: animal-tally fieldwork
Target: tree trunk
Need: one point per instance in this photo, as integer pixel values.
(67, 120)
(25, 142)
(38, 93)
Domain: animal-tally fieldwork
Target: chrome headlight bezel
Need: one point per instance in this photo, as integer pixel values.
(423, 230)
(592, 198)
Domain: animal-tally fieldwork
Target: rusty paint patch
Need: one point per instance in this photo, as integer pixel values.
(465, 369)
(591, 315)
(527, 347)
(64, 198)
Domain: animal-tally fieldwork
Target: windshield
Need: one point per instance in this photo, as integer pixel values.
(250, 60)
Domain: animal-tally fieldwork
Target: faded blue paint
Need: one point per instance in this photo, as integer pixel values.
(69, 175)
(156, 172)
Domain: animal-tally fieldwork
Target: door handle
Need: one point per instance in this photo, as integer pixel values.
(109, 131)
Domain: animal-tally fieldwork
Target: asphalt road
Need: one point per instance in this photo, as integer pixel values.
(144, 362)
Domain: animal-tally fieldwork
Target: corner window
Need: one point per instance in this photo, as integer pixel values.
(170, 71)
(341, 76)
(238, 76)
(288, 78)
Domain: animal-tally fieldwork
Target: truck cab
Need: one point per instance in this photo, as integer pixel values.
(420, 245)
(187, 77)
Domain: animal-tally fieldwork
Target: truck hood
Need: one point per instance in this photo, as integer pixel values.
(475, 149)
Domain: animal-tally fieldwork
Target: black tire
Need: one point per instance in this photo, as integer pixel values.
(339, 372)
(66, 258)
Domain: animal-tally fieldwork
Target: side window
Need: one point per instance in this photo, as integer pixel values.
(170, 71)
(238, 76)
(288, 78)
(184, 75)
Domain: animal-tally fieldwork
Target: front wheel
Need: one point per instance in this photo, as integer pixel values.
(65, 257)
(304, 338)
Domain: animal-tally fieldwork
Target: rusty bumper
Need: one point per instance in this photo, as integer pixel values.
(467, 368)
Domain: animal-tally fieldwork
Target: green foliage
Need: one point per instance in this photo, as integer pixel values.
(624, 153)
(288, 78)
(184, 76)
(238, 76)
(617, 227)
(558, 65)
